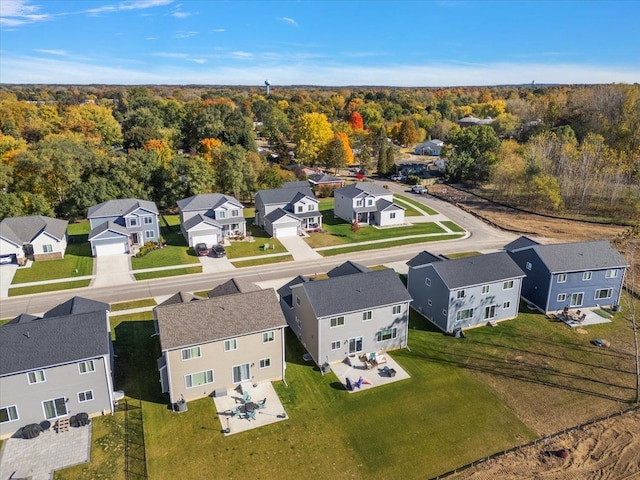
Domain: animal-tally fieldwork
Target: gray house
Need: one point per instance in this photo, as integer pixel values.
(287, 211)
(573, 275)
(116, 225)
(465, 292)
(56, 365)
(356, 312)
(35, 237)
(207, 218)
(217, 343)
(367, 203)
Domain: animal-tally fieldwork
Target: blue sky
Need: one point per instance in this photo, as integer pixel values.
(331, 43)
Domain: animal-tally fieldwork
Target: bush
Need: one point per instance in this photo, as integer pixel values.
(414, 180)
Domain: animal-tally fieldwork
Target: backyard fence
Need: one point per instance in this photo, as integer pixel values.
(538, 441)
(134, 451)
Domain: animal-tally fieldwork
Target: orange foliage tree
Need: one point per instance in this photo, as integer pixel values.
(348, 153)
(356, 122)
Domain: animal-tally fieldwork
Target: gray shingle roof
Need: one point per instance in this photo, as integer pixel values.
(423, 258)
(283, 195)
(120, 207)
(206, 201)
(285, 291)
(579, 256)
(383, 204)
(53, 341)
(360, 291)
(356, 189)
(77, 305)
(23, 318)
(233, 286)
(198, 219)
(347, 268)
(477, 270)
(180, 297)
(103, 227)
(21, 230)
(213, 319)
(520, 242)
(323, 178)
(278, 213)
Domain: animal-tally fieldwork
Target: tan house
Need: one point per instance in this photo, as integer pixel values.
(214, 344)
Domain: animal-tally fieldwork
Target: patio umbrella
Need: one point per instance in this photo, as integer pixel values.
(31, 431)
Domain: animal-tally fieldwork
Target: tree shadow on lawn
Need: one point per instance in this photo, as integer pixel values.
(523, 371)
(79, 245)
(136, 351)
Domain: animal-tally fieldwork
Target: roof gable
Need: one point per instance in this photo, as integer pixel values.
(206, 201)
(120, 208)
(579, 256)
(21, 230)
(477, 270)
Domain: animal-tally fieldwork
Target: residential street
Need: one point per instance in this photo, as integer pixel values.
(482, 237)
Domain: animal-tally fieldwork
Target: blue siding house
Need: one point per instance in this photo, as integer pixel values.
(573, 275)
(465, 292)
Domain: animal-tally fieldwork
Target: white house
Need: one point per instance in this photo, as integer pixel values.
(35, 237)
(367, 203)
(430, 147)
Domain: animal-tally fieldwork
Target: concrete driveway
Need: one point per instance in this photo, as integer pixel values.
(213, 264)
(299, 248)
(6, 277)
(112, 270)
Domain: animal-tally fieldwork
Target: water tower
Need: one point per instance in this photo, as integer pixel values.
(267, 84)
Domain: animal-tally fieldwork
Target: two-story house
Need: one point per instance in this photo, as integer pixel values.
(572, 275)
(287, 211)
(56, 365)
(367, 203)
(219, 342)
(346, 314)
(116, 225)
(209, 217)
(35, 237)
(465, 292)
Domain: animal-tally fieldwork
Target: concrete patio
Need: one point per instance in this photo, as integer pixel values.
(375, 375)
(49, 451)
(272, 413)
(591, 318)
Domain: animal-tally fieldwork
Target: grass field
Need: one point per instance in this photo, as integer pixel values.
(251, 249)
(176, 252)
(262, 261)
(415, 203)
(167, 273)
(146, 302)
(49, 287)
(388, 244)
(454, 227)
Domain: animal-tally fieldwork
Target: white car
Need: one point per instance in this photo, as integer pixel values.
(6, 259)
(418, 189)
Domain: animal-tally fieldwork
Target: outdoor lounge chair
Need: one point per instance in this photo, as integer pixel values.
(262, 403)
(246, 397)
(235, 411)
(251, 415)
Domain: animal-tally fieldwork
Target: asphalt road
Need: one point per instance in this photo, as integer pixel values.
(483, 237)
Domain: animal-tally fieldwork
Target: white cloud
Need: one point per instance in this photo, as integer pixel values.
(219, 30)
(240, 54)
(60, 53)
(18, 12)
(288, 20)
(186, 34)
(180, 14)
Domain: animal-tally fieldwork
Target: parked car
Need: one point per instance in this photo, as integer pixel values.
(202, 250)
(399, 178)
(418, 189)
(218, 251)
(6, 259)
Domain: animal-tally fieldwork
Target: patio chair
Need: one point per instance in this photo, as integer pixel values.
(246, 397)
(262, 403)
(235, 412)
(251, 415)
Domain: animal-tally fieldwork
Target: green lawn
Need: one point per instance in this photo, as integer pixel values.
(77, 257)
(145, 302)
(466, 398)
(49, 287)
(167, 273)
(262, 261)
(462, 254)
(415, 203)
(391, 243)
(454, 227)
(251, 249)
(79, 228)
(176, 252)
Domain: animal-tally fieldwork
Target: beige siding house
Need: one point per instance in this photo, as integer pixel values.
(215, 344)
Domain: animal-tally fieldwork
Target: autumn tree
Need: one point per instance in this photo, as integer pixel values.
(312, 133)
(356, 122)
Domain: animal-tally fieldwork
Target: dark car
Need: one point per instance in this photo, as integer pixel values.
(218, 251)
(201, 249)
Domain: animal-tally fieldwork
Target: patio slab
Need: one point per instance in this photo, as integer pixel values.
(591, 318)
(375, 375)
(272, 413)
(49, 451)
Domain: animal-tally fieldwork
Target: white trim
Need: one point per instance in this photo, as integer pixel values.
(87, 363)
(85, 396)
(44, 378)
(9, 419)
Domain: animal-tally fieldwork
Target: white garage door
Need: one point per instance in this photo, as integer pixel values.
(279, 232)
(110, 249)
(208, 239)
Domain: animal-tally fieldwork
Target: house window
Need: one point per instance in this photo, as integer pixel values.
(299, 209)
(241, 373)
(337, 321)
(586, 276)
(485, 289)
(429, 302)
(489, 312)
(397, 310)
(311, 207)
(367, 315)
(392, 215)
(235, 213)
(355, 345)
(611, 274)
(359, 203)
(506, 305)
(149, 234)
(464, 314)
(230, 345)
(386, 334)
(189, 353)
(48, 248)
(427, 282)
(561, 297)
(54, 408)
(576, 299)
(298, 301)
(507, 285)
(562, 277)
(265, 363)
(528, 265)
(133, 222)
(369, 202)
(36, 376)
(460, 294)
(148, 220)
(603, 293)
(8, 414)
(197, 379)
(268, 336)
(87, 367)
(335, 345)
(85, 396)
(221, 214)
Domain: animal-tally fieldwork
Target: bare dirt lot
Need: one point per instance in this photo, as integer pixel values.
(606, 450)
